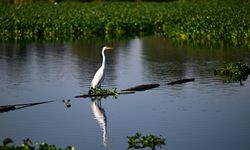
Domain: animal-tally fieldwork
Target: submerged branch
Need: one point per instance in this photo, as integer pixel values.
(102, 94)
(142, 87)
(181, 81)
(134, 89)
(6, 108)
(130, 90)
(99, 93)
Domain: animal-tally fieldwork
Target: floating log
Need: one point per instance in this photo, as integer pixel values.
(96, 95)
(142, 87)
(6, 108)
(181, 81)
(131, 90)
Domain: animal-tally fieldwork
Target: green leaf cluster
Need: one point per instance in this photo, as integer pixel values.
(149, 141)
(235, 71)
(8, 144)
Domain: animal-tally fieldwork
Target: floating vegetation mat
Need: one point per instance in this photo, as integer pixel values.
(233, 71)
(8, 144)
(98, 93)
(138, 141)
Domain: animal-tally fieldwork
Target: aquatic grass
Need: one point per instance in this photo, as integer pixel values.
(208, 20)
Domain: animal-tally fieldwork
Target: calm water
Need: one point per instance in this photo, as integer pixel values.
(205, 114)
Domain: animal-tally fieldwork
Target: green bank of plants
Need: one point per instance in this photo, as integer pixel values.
(209, 20)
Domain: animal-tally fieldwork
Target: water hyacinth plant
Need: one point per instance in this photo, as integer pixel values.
(234, 71)
(195, 20)
(98, 93)
(149, 141)
(8, 144)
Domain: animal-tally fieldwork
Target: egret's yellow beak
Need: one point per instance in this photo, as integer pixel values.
(109, 47)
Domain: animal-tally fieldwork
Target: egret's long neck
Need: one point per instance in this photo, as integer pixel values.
(103, 58)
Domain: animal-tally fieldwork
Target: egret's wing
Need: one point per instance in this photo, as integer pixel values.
(97, 78)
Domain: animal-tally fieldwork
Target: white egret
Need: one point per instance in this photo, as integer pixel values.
(99, 75)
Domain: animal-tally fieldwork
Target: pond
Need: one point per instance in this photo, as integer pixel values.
(204, 114)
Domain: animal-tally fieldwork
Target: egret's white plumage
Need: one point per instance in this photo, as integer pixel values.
(99, 75)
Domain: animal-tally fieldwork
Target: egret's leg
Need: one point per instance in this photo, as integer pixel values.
(99, 103)
(99, 86)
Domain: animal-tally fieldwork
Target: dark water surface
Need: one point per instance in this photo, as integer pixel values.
(205, 114)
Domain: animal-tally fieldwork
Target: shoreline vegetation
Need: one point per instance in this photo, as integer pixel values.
(196, 21)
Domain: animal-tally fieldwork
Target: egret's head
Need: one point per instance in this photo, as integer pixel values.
(106, 48)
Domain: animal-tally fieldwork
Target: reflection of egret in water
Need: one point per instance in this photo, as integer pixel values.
(101, 118)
